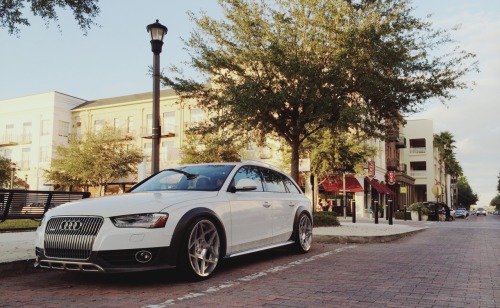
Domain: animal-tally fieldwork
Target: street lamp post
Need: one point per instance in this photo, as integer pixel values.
(12, 174)
(157, 32)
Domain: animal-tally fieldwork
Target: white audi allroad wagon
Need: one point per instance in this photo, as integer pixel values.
(189, 217)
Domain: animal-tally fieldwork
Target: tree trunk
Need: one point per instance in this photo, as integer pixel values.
(295, 160)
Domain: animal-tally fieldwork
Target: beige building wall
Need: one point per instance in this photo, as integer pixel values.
(132, 114)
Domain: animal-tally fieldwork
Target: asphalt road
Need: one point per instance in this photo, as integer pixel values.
(450, 264)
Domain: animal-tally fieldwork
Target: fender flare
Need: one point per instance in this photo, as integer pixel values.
(301, 209)
(181, 228)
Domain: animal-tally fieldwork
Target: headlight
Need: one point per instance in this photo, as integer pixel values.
(149, 220)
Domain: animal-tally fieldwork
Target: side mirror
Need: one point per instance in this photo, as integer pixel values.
(245, 185)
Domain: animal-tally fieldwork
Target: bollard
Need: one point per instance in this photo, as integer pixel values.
(405, 212)
(353, 209)
(419, 213)
(390, 212)
(375, 211)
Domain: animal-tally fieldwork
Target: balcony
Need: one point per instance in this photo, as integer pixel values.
(8, 140)
(418, 173)
(417, 150)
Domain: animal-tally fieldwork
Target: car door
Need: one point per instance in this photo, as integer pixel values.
(283, 203)
(251, 213)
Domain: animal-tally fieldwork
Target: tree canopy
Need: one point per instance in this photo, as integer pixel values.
(12, 12)
(446, 144)
(466, 197)
(294, 67)
(96, 160)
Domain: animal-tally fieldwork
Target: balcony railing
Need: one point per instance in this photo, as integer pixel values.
(417, 150)
(418, 173)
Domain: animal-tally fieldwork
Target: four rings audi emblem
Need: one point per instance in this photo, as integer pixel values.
(70, 225)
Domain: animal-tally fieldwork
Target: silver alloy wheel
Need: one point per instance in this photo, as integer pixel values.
(305, 233)
(203, 248)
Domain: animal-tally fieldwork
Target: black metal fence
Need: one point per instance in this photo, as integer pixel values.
(32, 204)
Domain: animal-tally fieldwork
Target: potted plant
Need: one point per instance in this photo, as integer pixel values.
(414, 210)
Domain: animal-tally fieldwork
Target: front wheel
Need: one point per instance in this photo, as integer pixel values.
(303, 235)
(201, 249)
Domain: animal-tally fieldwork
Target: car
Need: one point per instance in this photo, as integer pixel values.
(461, 213)
(189, 217)
(481, 211)
(496, 212)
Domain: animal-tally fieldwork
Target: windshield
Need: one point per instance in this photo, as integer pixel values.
(195, 177)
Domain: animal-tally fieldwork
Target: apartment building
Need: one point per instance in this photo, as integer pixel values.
(423, 161)
(31, 127)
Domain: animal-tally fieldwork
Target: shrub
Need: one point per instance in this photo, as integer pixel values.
(325, 219)
(401, 215)
(416, 205)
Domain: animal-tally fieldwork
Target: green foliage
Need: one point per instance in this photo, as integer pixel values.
(19, 224)
(294, 67)
(496, 202)
(96, 160)
(401, 215)
(5, 171)
(465, 197)
(204, 145)
(325, 219)
(415, 206)
(337, 153)
(12, 12)
(445, 143)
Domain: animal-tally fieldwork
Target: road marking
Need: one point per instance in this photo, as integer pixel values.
(251, 277)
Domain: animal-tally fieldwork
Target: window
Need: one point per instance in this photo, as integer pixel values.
(116, 124)
(25, 158)
(63, 129)
(26, 132)
(274, 181)
(45, 154)
(9, 132)
(291, 186)
(45, 129)
(98, 125)
(7, 153)
(148, 148)
(149, 124)
(249, 172)
(197, 115)
(130, 125)
(168, 151)
(168, 123)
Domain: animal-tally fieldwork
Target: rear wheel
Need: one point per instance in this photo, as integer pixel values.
(201, 249)
(303, 235)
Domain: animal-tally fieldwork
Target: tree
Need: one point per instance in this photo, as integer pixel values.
(445, 143)
(294, 67)
(5, 171)
(12, 12)
(465, 196)
(496, 202)
(217, 146)
(339, 153)
(97, 160)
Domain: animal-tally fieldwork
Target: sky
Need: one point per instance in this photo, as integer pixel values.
(114, 58)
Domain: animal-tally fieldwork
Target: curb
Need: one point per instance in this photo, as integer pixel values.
(17, 267)
(351, 239)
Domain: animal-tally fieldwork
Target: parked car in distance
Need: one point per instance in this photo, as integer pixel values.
(496, 212)
(189, 217)
(481, 211)
(461, 213)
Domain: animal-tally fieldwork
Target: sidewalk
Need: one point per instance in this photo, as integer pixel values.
(17, 250)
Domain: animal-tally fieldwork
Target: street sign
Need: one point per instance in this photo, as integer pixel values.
(371, 169)
(391, 177)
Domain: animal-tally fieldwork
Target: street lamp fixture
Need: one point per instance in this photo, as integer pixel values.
(157, 32)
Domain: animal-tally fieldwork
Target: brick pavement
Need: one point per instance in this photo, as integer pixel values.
(449, 265)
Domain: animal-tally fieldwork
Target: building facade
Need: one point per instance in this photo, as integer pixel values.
(31, 127)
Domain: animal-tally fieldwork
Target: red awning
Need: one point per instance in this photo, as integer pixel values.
(381, 188)
(336, 184)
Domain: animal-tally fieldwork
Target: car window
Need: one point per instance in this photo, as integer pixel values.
(249, 172)
(197, 177)
(274, 181)
(291, 186)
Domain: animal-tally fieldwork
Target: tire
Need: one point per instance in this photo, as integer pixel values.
(303, 234)
(200, 253)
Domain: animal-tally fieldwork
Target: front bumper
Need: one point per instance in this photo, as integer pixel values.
(111, 261)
